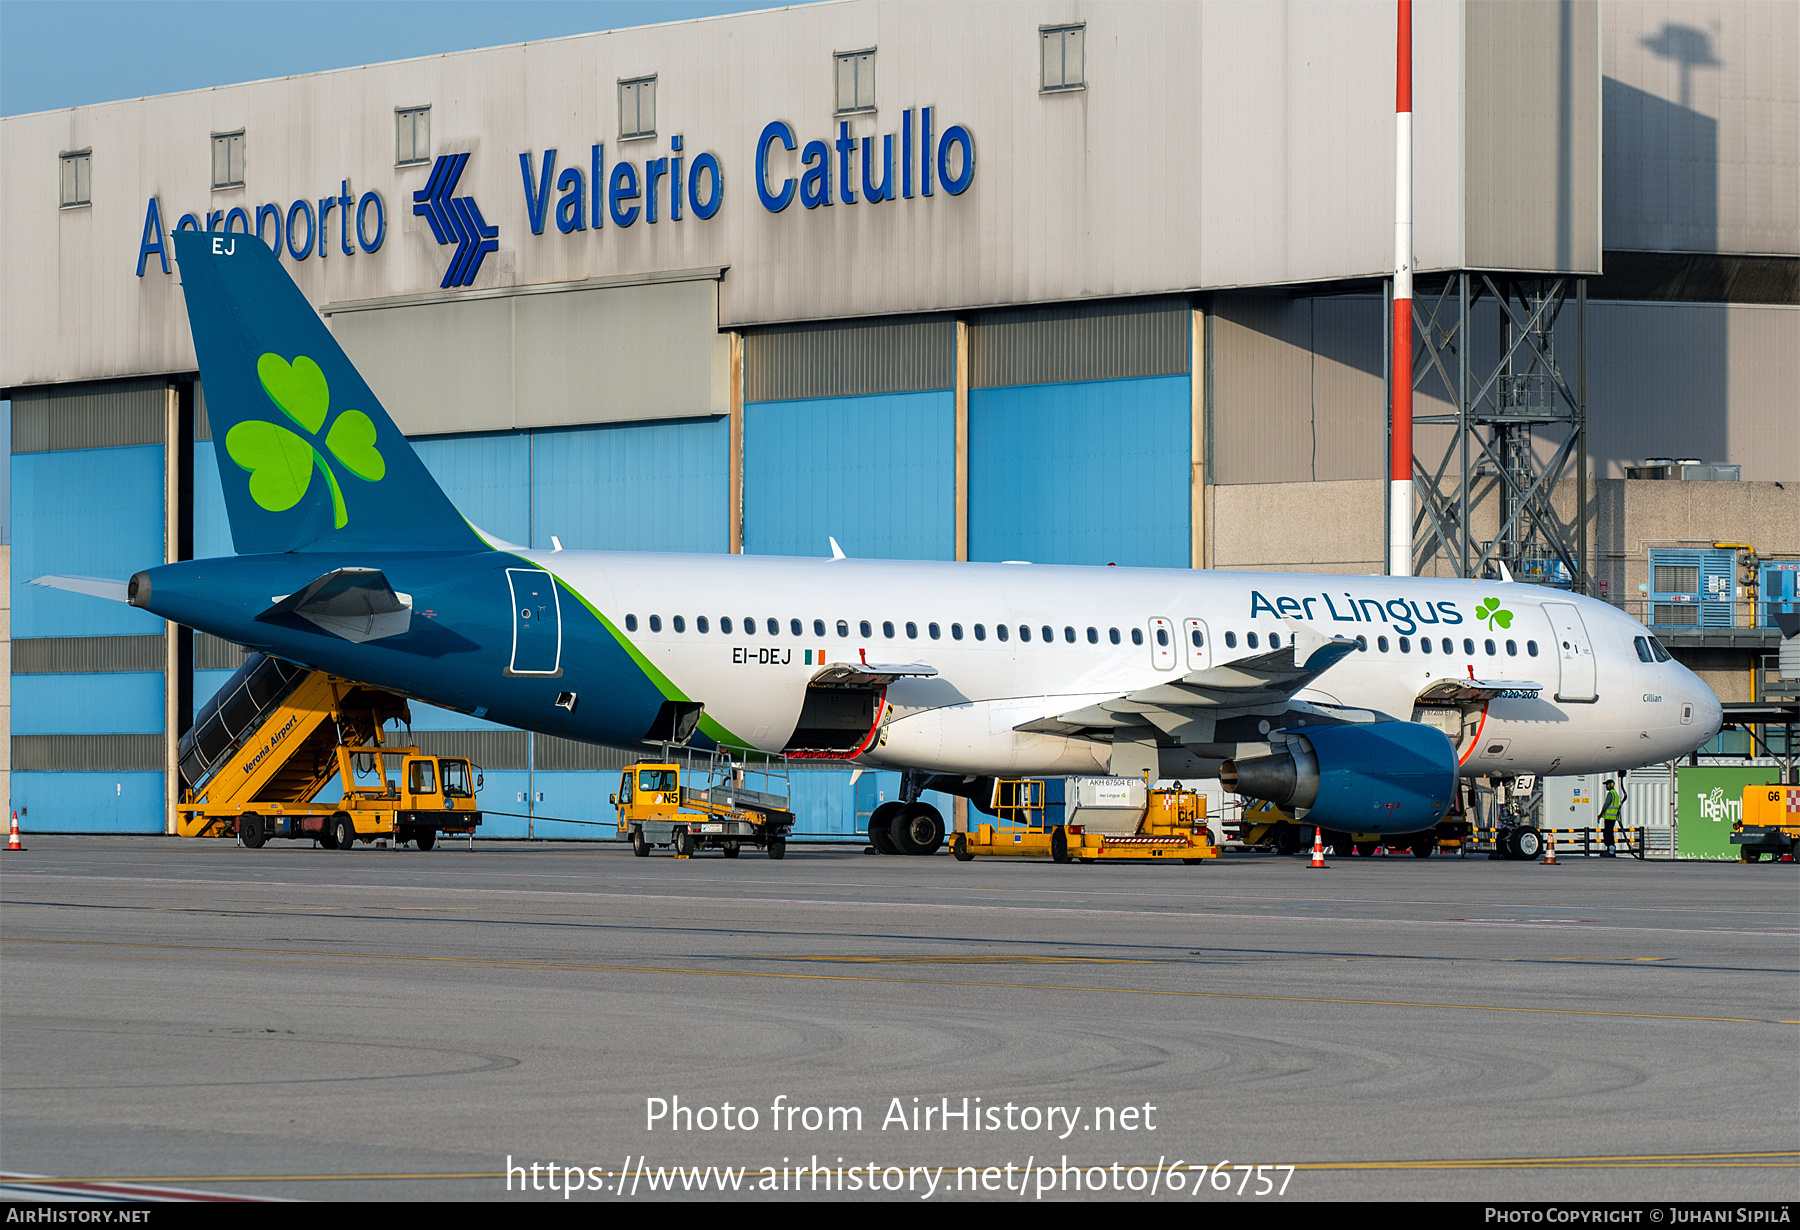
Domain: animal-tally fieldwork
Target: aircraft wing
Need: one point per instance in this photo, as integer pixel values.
(357, 604)
(1189, 708)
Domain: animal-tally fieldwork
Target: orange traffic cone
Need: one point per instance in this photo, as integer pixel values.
(1549, 859)
(14, 843)
(1318, 858)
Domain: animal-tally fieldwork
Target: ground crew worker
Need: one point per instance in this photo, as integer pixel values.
(1609, 816)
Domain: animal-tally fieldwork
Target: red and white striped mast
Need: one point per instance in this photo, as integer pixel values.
(1400, 434)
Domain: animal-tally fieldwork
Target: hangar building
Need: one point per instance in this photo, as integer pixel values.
(1037, 280)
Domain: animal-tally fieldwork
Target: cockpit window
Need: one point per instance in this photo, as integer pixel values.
(1656, 646)
(1642, 644)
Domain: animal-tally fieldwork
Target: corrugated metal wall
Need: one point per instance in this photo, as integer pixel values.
(850, 359)
(1090, 473)
(633, 487)
(876, 472)
(98, 415)
(91, 512)
(107, 753)
(48, 655)
(1092, 341)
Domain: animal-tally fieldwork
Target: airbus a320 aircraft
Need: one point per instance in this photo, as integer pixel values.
(1353, 701)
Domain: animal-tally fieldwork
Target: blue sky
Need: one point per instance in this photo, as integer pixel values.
(68, 53)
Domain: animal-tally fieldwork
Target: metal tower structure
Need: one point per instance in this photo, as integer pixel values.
(1518, 420)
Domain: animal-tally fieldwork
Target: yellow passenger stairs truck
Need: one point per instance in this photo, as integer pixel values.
(276, 734)
(1107, 818)
(723, 799)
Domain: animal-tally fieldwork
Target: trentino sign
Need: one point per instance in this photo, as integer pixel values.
(916, 161)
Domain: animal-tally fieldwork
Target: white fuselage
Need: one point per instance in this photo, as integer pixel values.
(963, 720)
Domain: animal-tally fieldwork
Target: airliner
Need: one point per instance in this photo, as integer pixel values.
(1356, 702)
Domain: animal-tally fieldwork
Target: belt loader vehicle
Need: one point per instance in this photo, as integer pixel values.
(723, 799)
(1107, 818)
(276, 734)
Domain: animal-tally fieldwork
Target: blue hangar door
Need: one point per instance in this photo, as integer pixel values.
(537, 623)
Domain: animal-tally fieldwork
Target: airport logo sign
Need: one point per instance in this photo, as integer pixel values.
(281, 231)
(455, 220)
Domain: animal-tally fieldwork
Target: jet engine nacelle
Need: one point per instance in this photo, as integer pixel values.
(1382, 777)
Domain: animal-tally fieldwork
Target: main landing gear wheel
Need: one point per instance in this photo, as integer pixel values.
(777, 847)
(1059, 845)
(1287, 839)
(1341, 845)
(918, 829)
(426, 838)
(881, 824)
(1424, 847)
(959, 846)
(639, 846)
(1527, 843)
(1367, 848)
(343, 833)
(250, 831)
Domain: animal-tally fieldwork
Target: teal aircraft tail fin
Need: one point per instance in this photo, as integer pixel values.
(309, 459)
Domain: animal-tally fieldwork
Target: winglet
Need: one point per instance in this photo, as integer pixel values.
(837, 552)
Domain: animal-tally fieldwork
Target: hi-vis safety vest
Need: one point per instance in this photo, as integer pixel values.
(1609, 810)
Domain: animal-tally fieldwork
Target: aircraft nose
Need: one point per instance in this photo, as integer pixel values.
(1709, 714)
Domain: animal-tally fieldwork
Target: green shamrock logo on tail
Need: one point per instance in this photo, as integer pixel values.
(280, 462)
(1490, 611)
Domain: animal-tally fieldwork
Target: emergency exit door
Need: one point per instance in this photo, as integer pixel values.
(1575, 653)
(537, 623)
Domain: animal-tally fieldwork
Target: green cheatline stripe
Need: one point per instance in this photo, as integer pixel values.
(708, 726)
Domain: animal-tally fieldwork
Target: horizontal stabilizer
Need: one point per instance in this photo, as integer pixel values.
(357, 604)
(97, 587)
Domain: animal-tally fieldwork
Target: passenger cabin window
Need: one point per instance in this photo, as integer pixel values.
(1405, 645)
(843, 627)
(700, 624)
(1489, 646)
(933, 630)
(1274, 640)
(1162, 637)
(725, 623)
(1382, 645)
(1362, 643)
(980, 633)
(1448, 644)
(1069, 635)
(1531, 648)
(1512, 649)
(631, 623)
(679, 623)
(1137, 636)
(867, 631)
(1049, 634)
(656, 623)
(1024, 632)
(912, 631)
(818, 627)
(1093, 636)
(956, 632)
(1112, 634)
(795, 629)
(1250, 639)
(421, 777)
(887, 628)
(774, 626)
(1468, 646)
(1000, 631)
(1231, 640)
(750, 625)
(1424, 644)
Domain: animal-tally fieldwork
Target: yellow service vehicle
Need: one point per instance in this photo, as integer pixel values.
(723, 799)
(1768, 824)
(276, 734)
(1106, 818)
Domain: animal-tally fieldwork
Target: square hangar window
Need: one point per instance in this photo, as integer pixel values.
(1062, 58)
(77, 178)
(412, 135)
(855, 81)
(637, 108)
(228, 159)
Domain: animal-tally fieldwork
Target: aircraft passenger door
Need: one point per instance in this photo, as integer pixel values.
(537, 623)
(1197, 646)
(1575, 653)
(1162, 644)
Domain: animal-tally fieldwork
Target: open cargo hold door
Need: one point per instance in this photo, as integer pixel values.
(842, 710)
(1458, 707)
